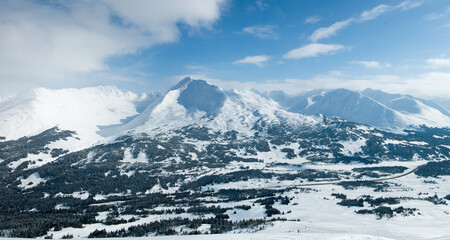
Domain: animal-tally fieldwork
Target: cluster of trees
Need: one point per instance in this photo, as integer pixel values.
(377, 186)
(378, 205)
(270, 201)
(434, 169)
(359, 202)
(388, 212)
(234, 195)
(436, 199)
(352, 202)
(167, 227)
(34, 224)
(383, 169)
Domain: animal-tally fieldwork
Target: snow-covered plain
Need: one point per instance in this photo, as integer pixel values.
(262, 236)
(314, 214)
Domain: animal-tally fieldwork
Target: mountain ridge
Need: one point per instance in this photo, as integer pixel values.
(392, 112)
(81, 110)
(104, 111)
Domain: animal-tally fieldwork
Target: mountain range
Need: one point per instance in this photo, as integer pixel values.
(392, 112)
(102, 162)
(103, 111)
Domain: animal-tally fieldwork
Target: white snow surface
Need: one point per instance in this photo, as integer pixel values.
(392, 112)
(239, 112)
(81, 110)
(31, 181)
(83, 195)
(128, 157)
(261, 236)
(352, 147)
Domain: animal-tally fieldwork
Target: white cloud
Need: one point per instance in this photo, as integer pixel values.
(267, 31)
(261, 5)
(371, 64)
(436, 16)
(326, 32)
(407, 5)
(313, 50)
(438, 62)
(160, 18)
(52, 41)
(312, 19)
(195, 67)
(373, 13)
(256, 60)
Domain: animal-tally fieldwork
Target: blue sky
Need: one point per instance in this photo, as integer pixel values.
(295, 46)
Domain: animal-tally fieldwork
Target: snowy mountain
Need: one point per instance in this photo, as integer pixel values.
(201, 160)
(393, 112)
(81, 110)
(196, 102)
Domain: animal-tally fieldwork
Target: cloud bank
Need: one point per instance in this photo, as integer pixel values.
(439, 62)
(45, 41)
(427, 85)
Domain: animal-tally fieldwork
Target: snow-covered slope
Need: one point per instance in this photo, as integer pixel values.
(422, 110)
(196, 102)
(200, 160)
(376, 108)
(81, 110)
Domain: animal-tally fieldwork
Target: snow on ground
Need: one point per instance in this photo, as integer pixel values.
(61, 207)
(396, 142)
(318, 214)
(352, 147)
(349, 167)
(83, 195)
(310, 102)
(431, 115)
(259, 236)
(314, 214)
(84, 232)
(35, 160)
(439, 137)
(31, 181)
(128, 157)
(81, 110)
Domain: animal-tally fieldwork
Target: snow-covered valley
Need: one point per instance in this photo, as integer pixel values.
(202, 160)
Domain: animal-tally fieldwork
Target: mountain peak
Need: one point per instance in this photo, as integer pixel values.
(182, 84)
(200, 95)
